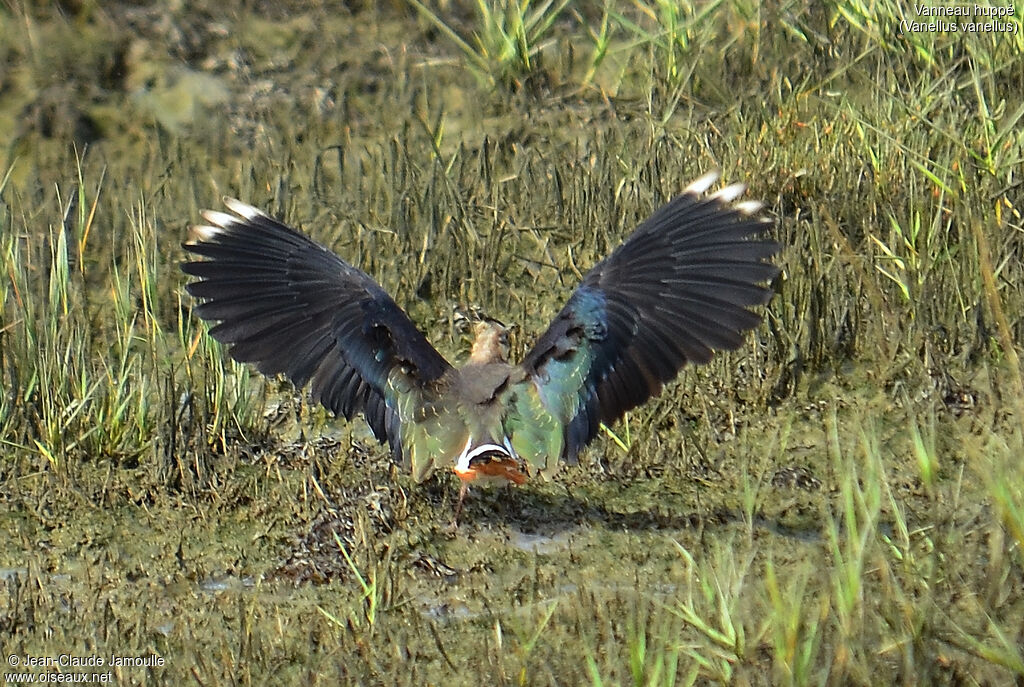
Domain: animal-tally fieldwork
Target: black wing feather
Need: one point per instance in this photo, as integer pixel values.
(674, 292)
(290, 306)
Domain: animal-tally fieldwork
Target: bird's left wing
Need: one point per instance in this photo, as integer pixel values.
(675, 291)
(289, 305)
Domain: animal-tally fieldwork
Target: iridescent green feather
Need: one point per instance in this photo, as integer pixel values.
(429, 430)
(536, 433)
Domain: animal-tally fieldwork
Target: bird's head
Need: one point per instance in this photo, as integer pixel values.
(490, 342)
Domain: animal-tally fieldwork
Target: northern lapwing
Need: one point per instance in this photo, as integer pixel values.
(678, 289)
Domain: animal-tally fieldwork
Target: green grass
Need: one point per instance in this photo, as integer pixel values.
(840, 500)
(508, 39)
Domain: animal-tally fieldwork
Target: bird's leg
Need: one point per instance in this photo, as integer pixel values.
(458, 506)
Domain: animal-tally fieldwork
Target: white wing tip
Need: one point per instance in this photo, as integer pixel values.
(219, 219)
(242, 209)
(702, 183)
(729, 193)
(749, 207)
(200, 233)
(218, 222)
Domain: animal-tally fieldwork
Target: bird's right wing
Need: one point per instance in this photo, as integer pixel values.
(675, 291)
(289, 305)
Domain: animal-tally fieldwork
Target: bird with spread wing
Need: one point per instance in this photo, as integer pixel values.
(678, 289)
